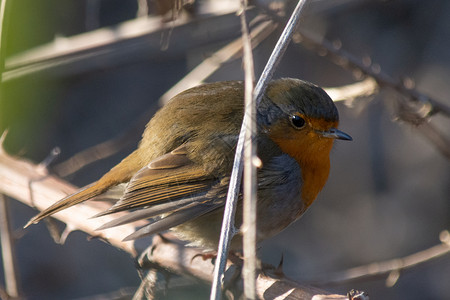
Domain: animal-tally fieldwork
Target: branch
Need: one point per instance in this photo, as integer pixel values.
(335, 53)
(8, 253)
(227, 229)
(32, 185)
(365, 88)
(211, 64)
(99, 151)
(250, 182)
(341, 57)
(391, 267)
(129, 41)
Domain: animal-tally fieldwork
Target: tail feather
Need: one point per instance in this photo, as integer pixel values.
(121, 173)
(82, 195)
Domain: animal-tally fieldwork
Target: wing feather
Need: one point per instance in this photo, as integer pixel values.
(169, 178)
(172, 220)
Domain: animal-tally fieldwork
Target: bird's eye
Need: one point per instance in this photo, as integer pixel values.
(297, 121)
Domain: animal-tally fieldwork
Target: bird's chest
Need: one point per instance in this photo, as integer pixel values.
(279, 196)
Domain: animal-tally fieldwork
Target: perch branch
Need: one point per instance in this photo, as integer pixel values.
(334, 52)
(33, 186)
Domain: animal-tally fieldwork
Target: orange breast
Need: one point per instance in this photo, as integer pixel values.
(312, 153)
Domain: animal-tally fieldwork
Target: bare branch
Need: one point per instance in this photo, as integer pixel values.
(367, 87)
(391, 267)
(217, 59)
(228, 229)
(94, 154)
(28, 183)
(250, 181)
(24, 181)
(8, 253)
(337, 54)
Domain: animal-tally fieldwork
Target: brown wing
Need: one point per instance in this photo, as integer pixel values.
(172, 185)
(169, 178)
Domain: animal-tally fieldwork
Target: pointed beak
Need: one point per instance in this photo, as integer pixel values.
(334, 133)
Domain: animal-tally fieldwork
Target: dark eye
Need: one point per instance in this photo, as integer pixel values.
(297, 121)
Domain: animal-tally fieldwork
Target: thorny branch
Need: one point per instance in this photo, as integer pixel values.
(26, 182)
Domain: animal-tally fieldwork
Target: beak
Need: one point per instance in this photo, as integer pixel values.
(334, 133)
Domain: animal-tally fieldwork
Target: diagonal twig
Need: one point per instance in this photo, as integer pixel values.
(234, 186)
(250, 182)
(340, 56)
(391, 267)
(211, 64)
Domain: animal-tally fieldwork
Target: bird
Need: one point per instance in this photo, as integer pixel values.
(178, 176)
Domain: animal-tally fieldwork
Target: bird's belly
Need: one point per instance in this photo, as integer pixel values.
(276, 211)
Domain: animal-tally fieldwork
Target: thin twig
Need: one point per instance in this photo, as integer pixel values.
(97, 152)
(431, 133)
(337, 54)
(427, 106)
(211, 64)
(147, 288)
(8, 253)
(367, 87)
(6, 239)
(392, 267)
(228, 229)
(250, 181)
(4, 12)
(143, 10)
(417, 115)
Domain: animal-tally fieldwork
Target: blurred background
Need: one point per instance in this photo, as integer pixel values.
(81, 72)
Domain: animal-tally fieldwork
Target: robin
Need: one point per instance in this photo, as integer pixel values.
(178, 176)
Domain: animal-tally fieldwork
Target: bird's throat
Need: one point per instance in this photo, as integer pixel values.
(314, 161)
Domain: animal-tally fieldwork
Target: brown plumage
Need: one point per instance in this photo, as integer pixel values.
(178, 177)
